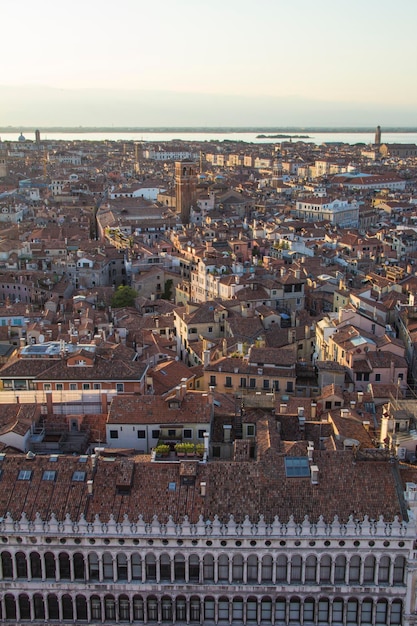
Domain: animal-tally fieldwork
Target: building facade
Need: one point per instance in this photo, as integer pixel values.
(203, 573)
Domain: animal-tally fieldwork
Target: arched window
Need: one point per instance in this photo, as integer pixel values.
(38, 606)
(223, 567)
(237, 610)
(396, 613)
(95, 608)
(35, 565)
(294, 613)
(24, 606)
(64, 566)
(311, 569)
(366, 612)
(369, 569)
(252, 568)
(381, 612)
(282, 568)
(81, 607)
(266, 610)
(209, 609)
(194, 568)
(266, 571)
(6, 565)
(325, 569)
(296, 569)
(383, 570)
(337, 611)
(323, 611)
(166, 610)
(107, 566)
(67, 608)
(136, 562)
(399, 567)
(150, 563)
(308, 610)
(50, 569)
(237, 568)
(223, 610)
(21, 565)
(93, 567)
(138, 611)
(179, 567)
(121, 567)
(208, 567)
(10, 606)
(53, 607)
(252, 610)
(352, 612)
(109, 608)
(165, 567)
(180, 610)
(152, 606)
(79, 571)
(280, 610)
(124, 609)
(354, 569)
(340, 569)
(195, 610)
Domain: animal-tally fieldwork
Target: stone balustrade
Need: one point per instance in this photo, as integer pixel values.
(211, 528)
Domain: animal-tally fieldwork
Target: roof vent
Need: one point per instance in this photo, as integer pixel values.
(314, 474)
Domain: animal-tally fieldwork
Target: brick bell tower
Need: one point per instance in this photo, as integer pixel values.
(185, 188)
(4, 166)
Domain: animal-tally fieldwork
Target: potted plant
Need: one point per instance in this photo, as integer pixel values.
(189, 449)
(180, 449)
(199, 449)
(162, 450)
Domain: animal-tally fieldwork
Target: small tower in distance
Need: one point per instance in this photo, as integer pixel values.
(185, 188)
(4, 165)
(138, 157)
(378, 136)
(38, 137)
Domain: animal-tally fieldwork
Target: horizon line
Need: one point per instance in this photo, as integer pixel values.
(218, 129)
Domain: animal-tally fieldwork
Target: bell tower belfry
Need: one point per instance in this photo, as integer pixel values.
(185, 188)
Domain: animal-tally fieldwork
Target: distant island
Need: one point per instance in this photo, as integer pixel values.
(283, 137)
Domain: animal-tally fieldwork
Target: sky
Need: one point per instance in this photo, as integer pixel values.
(216, 63)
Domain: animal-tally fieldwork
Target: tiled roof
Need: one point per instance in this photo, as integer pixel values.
(104, 369)
(18, 418)
(239, 488)
(194, 408)
(168, 374)
(271, 356)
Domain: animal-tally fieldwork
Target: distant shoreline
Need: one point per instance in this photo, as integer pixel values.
(283, 137)
(205, 129)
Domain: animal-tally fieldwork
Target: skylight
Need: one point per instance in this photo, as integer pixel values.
(297, 467)
(24, 475)
(78, 477)
(49, 475)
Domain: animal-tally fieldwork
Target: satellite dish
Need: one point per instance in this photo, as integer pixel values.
(41, 338)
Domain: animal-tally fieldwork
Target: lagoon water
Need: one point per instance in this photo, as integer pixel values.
(209, 136)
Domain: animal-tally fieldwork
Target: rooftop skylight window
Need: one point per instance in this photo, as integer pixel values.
(297, 467)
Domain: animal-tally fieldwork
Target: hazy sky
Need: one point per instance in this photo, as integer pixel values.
(180, 62)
